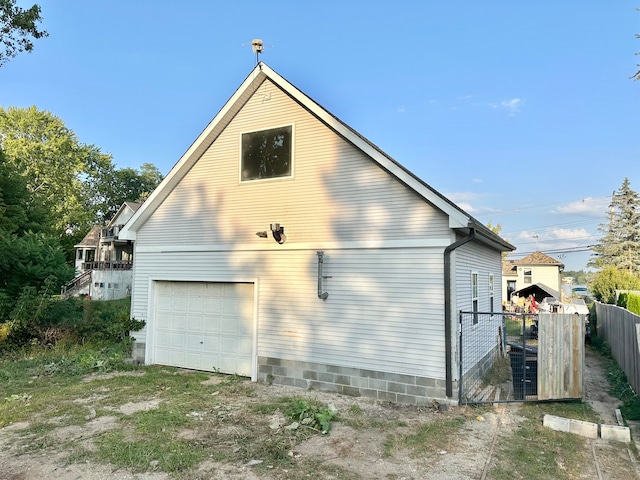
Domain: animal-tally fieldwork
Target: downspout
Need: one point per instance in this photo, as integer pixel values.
(448, 320)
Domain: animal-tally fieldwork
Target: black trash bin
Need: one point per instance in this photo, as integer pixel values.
(524, 369)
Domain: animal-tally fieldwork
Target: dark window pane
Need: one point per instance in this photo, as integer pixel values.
(266, 154)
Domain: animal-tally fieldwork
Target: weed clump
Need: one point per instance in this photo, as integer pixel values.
(312, 415)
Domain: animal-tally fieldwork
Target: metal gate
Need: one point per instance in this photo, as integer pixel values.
(518, 357)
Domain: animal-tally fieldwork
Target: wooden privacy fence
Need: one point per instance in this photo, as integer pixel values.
(507, 357)
(621, 330)
(560, 356)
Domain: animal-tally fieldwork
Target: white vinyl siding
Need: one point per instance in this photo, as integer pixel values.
(475, 257)
(336, 194)
(384, 310)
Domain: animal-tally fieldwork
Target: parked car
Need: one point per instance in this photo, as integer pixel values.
(581, 291)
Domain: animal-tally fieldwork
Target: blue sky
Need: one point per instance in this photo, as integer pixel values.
(523, 113)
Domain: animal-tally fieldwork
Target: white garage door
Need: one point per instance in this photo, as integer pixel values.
(204, 326)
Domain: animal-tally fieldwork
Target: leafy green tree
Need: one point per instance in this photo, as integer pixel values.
(56, 166)
(497, 229)
(610, 279)
(580, 277)
(17, 28)
(125, 185)
(619, 245)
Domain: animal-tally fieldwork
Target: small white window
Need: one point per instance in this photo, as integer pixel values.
(491, 292)
(474, 296)
(528, 277)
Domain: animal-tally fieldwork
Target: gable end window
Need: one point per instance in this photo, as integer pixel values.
(266, 154)
(527, 276)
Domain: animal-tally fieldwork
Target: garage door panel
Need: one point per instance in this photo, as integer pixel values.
(193, 360)
(229, 345)
(195, 323)
(213, 306)
(229, 364)
(178, 340)
(231, 306)
(245, 344)
(177, 358)
(211, 325)
(194, 342)
(163, 320)
(204, 326)
(163, 338)
(211, 343)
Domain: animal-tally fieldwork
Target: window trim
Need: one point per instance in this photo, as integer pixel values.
(526, 276)
(291, 157)
(475, 296)
(491, 292)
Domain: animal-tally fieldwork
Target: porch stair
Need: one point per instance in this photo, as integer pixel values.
(73, 287)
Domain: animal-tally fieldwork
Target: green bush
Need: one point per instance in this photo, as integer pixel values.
(633, 303)
(41, 319)
(607, 281)
(622, 300)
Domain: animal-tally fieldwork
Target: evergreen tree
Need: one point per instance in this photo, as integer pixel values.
(619, 245)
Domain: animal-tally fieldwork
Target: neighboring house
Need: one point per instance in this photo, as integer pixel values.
(285, 247)
(104, 261)
(536, 268)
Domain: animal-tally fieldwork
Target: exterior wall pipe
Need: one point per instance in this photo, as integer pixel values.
(321, 293)
(448, 321)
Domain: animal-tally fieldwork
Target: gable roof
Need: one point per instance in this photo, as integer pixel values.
(133, 206)
(538, 258)
(458, 218)
(91, 239)
(509, 267)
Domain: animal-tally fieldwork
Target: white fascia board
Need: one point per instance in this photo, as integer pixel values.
(457, 219)
(188, 159)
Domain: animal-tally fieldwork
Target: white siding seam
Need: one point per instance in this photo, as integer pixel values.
(388, 244)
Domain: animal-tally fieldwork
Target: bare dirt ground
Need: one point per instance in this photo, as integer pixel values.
(361, 451)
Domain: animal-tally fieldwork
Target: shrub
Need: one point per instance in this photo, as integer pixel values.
(610, 279)
(622, 300)
(633, 303)
(45, 320)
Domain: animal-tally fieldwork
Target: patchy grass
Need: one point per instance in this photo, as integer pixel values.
(618, 381)
(513, 326)
(425, 439)
(154, 452)
(537, 452)
(500, 372)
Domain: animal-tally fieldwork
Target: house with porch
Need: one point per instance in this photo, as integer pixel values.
(103, 261)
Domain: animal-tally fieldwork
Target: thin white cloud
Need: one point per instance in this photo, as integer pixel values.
(587, 207)
(553, 234)
(477, 180)
(401, 109)
(511, 105)
(470, 202)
